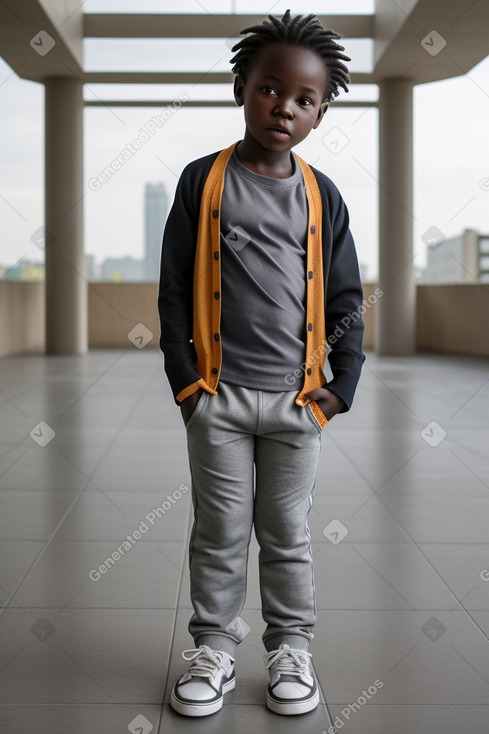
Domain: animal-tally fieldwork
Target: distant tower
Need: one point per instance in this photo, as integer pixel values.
(155, 213)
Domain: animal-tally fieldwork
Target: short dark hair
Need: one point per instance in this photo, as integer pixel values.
(303, 31)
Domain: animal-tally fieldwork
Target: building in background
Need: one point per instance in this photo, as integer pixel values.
(461, 259)
(155, 213)
(117, 269)
(23, 270)
(31, 270)
(90, 267)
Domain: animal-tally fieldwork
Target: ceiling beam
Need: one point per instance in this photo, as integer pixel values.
(203, 25)
(429, 40)
(42, 38)
(197, 103)
(179, 77)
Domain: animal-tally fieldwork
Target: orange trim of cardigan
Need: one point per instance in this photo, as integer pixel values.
(207, 276)
(318, 414)
(190, 389)
(207, 286)
(315, 318)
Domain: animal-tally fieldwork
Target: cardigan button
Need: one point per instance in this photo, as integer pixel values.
(313, 229)
(216, 337)
(215, 213)
(217, 295)
(310, 274)
(216, 255)
(309, 371)
(309, 327)
(214, 370)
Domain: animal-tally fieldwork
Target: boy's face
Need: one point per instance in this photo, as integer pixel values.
(282, 95)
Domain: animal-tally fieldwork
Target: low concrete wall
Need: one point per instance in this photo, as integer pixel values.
(368, 316)
(453, 318)
(21, 317)
(450, 318)
(114, 309)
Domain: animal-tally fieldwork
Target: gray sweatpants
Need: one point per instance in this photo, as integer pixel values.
(253, 458)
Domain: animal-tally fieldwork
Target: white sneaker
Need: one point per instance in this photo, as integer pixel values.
(201, 690)
(293, 688)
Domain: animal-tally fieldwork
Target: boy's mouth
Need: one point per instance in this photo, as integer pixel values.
(280, 130)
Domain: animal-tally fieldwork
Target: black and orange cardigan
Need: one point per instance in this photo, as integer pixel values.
(189, 300)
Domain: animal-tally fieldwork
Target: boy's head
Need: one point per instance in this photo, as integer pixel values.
(299, 31)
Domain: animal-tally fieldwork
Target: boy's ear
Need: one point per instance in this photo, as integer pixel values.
(239, 91)
(321, 113)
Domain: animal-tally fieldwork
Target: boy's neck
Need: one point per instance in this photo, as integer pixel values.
(274, 164)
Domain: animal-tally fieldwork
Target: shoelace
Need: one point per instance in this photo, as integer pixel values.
(204, 662)
(289, 662)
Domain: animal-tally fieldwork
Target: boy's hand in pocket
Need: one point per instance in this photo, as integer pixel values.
(329, 403)
(188, 406)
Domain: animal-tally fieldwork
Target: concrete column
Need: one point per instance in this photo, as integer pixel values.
(395, 327)
(66, 286)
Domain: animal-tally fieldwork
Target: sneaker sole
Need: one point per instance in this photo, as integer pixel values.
(200, 709)
(293, 707)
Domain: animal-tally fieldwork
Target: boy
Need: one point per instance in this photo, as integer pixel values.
(258, 270)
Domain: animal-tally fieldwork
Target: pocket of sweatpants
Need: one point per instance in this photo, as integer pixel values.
(316, 415)
(198, 409)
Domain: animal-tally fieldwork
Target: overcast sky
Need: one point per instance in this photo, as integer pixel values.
(451, 162)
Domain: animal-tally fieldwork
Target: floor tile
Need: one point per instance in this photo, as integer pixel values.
(464, 568)
(41, 513)
(366, 518)
(111, 515)
(63, 573)
(78, 718)
(27, 467)
(421, 657)
(241, 719)
(377, 576)
(73, 656)
(373, 719)
(441, 520)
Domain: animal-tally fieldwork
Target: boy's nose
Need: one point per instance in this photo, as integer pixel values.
(284, 110)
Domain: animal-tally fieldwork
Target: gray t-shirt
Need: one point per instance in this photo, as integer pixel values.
(263, 269)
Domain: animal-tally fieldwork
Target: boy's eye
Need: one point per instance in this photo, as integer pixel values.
(304, 102)
(268, 90)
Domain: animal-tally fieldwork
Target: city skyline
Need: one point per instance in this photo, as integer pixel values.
(155, 205)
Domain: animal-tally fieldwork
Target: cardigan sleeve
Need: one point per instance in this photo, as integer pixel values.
(175, 296)
(344, 299)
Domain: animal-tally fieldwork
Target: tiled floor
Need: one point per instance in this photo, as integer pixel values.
(402, 640)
